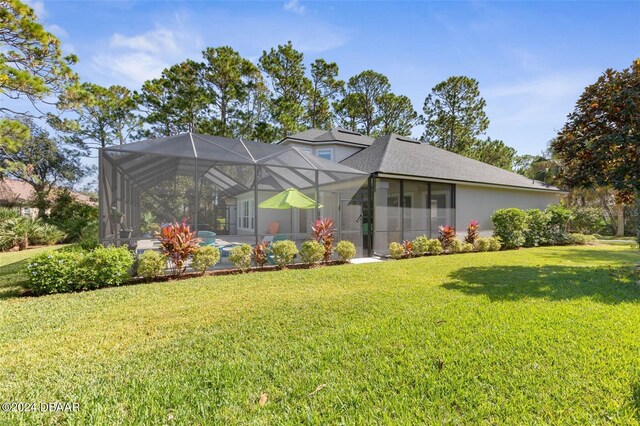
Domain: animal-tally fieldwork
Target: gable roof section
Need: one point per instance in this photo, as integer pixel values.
(399, 155)
(336, 135)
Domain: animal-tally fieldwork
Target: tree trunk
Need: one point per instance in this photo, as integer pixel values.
(620, 227)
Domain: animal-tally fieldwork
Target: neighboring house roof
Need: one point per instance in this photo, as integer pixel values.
(335, 135)
(400, 155)
(18, 193)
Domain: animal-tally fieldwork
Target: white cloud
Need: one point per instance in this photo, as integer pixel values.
(294, 6)
(135, 67)
(160, 40)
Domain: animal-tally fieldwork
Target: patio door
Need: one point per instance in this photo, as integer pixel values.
(351, 220)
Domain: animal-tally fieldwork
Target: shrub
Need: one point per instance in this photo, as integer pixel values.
(434, 246)
(53, 272)
(466, 248)
(537, 230)
(88, 239)
(482, 244)
(7, 213)
(494, 244)
(346, 250)
(323, 231)
(104, 267)
(473, 232)
(509, 225)
(71, 216)
(581, 239)
(455, 246)
(446, 235)
(284, 252)
(240, 256)
(19, 231)
(559, 218)
(396, 251)
(72, 270)
(407, 246)
(151, 264)
(420, 245)
(311, 251)
(205, 258)
(259, 254)
(587, 220)
(47, 235)
(178, 244)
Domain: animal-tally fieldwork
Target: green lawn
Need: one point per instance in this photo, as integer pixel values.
(11, 270)
(537, 336)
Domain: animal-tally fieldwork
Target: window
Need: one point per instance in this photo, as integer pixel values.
(245, 215)
(306, 150)
(326, 153)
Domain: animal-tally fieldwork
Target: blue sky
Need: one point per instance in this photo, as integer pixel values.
(532, 59)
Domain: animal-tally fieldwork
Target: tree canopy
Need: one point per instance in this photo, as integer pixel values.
(600, 143)
(32, 67)
(454, 114)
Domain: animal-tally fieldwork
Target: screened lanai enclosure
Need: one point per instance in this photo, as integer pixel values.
(217, 185)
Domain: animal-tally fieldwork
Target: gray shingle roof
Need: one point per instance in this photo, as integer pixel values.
(336, 134)
(394, 154)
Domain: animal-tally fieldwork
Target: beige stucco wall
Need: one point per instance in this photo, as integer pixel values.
(479, 203)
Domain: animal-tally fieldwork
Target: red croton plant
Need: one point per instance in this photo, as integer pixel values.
(473, 231)
(323, 231)
(446, 235)
(259, 254)
(407, 246)
(178, 243)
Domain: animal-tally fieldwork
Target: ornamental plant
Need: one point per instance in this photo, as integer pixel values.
(346, 251)
(323, 231)
(204, 258)
(446, 235)
(178, 243)
(434, 247)
(466, 248)
(284, 252)
(455, 246)
(559, 218)
(407, 246)
(482, 244)
(311, 252)
(509, 225)
(537, 231)
(240, 256)
(259, 254)
(396, 251)
(420, 245)
(473, 232)
(151, 264)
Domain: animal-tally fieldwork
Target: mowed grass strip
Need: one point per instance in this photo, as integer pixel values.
(547, 336)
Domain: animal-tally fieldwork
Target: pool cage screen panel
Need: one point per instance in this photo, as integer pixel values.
(216, 184)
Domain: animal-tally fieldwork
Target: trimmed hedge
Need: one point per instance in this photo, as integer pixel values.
(74, 270)
(345, 250)
(510, 225)
(311, 252)
(284, 252)
(152, 264)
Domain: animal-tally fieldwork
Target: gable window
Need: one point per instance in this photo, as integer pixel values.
(306, 150)
(326, 153)
(245, 215)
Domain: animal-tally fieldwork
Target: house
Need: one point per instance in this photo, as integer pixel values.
(392, 188)
(19, 195)
(416, 187)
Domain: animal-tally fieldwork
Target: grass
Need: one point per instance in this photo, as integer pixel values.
(11, 270)
(536, 336)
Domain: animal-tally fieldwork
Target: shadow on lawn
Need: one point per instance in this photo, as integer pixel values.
(500, 283)
(12, 278)
(635, 398)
